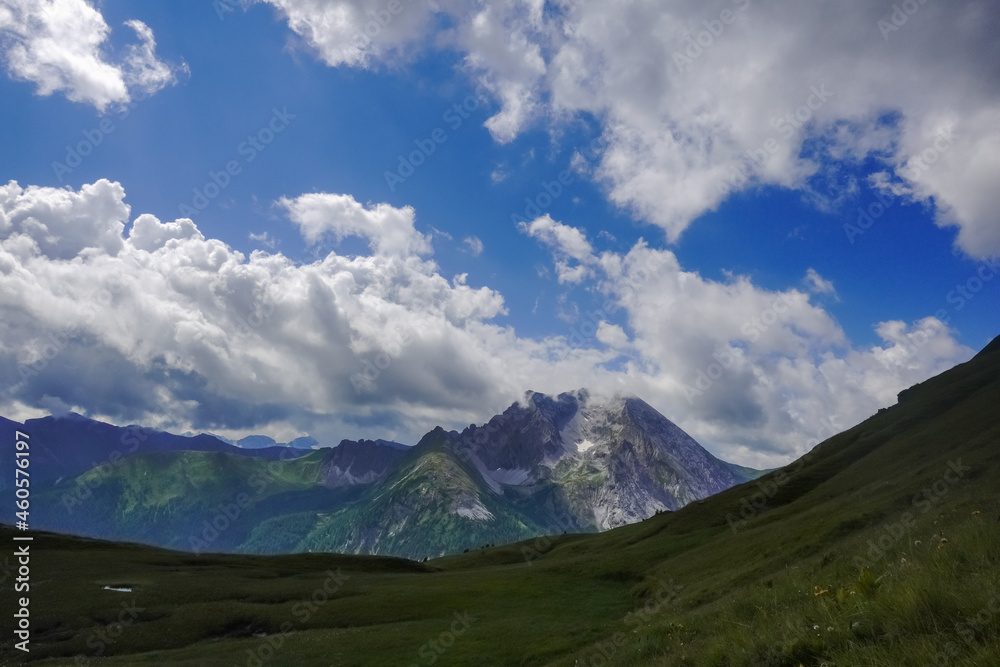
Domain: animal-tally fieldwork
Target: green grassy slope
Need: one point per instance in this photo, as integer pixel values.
(880, 547)
(415, 511)
(149, 496)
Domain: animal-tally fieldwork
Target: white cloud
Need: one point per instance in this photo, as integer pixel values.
(62, 224)
(389, 230)
(573, 251)
(142, 69)
(264, 238)
(817, 284)
(474, 245)
(612, 334)
(57, 45)
(359, 32)
(150, 234)
(681, 120)
(198, 336)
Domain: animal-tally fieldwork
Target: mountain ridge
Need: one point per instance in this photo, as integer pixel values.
(578, 461)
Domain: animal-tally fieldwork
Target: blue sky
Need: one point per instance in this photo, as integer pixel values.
(533, 99)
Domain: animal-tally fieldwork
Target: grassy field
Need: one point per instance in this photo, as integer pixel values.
(880, 547)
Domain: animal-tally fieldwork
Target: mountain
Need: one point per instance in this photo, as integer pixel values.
(430, 504)
(881, 546)
(570, 462)
(256, 442)
(607, 462)
(68, 445)
(263, 442)
(574, 462)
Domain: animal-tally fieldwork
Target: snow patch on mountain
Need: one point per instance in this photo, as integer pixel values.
(475, 511)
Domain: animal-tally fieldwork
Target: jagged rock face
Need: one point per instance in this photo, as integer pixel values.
(362, 462)
(613, 460)
(524, 437)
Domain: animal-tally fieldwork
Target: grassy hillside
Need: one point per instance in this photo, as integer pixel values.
(432, 505)
(149, 496)
(880, 547)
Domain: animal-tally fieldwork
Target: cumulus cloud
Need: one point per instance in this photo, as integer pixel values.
(155, 323)
(611, 334)
(389, 230)
(196, 335)
(62, 224)
(58, 46)
(698, 100)
(755, 374)
(360, 32)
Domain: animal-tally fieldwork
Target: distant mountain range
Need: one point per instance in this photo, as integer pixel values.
(574, 462)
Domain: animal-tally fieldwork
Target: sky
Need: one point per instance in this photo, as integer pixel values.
(366, 218)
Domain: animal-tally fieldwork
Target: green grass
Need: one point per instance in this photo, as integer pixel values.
(796, 583)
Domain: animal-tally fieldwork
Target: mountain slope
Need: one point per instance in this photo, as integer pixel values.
(69, 445)
(431, 505)
(179, 499)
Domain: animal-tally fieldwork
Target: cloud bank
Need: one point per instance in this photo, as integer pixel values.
(140, 320)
